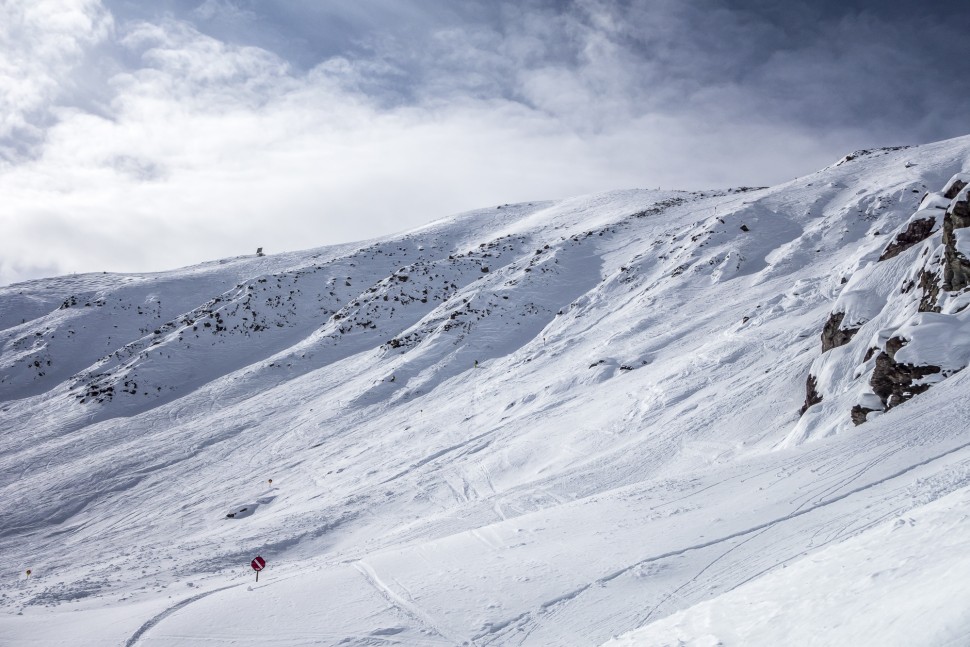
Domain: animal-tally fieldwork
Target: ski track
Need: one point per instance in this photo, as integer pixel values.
(534, 617)
(135, 637)
(406, 606)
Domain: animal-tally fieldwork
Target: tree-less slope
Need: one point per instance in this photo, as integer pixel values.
(540, 424)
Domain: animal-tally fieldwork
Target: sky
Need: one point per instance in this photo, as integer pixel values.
(143, 136)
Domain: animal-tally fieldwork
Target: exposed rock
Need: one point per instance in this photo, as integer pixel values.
(956, 267)
(869, 151)
(929, 284)
(917, 231)
(954, 186)
(859, 414)
(934, 273)
(894, 382)
(833, 335)
(812, 396)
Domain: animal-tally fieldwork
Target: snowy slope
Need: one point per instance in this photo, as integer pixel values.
(900, 583)
(537, 424)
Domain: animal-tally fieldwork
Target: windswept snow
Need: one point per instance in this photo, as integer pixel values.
(539, 424)
(900, 583)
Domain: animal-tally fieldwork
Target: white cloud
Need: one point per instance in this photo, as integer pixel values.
(41, 43)
(207, 149)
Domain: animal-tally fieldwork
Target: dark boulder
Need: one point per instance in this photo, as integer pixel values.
(812, 396)
(953, 188)
(917, 231)
(833, 335)
(894, 382)
(859, 414)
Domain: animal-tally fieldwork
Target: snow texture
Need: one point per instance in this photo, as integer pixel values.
(548, 423)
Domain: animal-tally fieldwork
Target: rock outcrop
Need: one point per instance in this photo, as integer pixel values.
(955, 185)
(917, 231)
(929, 285)
(858, 414)
(922, 306)
(895, 382)
(833, 335)
(956, 268)
(812, 396)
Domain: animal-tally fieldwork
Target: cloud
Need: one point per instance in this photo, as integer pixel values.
(883, 69)
(224, 10)
(200, 141)
(41, 43)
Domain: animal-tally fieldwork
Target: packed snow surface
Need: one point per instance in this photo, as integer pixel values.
(550, 423)
(896, 584)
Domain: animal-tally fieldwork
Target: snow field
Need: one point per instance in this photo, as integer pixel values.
(599, 431)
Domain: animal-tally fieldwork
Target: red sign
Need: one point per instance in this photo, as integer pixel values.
(258, 563)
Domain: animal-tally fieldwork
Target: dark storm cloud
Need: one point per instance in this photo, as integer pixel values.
(885, 68)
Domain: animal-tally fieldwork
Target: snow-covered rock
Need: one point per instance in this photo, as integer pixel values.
(911, 296)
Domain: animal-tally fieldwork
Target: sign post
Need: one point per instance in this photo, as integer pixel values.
(258, 564)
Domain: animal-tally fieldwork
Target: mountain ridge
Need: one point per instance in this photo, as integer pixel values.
(466, 409)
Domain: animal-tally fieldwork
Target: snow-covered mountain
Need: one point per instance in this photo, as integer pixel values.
(550, 423)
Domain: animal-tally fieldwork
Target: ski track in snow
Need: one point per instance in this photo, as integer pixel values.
(401, 601)
(169, 611)
(801, 510)
(549, 605)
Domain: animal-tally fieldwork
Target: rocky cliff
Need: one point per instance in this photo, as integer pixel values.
(901, 323)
